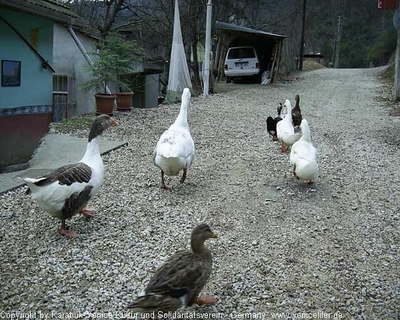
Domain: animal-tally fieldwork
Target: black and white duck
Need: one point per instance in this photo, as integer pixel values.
(66, 191)
(271, 123)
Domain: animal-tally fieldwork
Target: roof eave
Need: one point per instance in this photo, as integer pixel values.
(235, 28)
(41, 11)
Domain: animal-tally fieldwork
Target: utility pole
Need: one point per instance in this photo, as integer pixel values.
(206, 75)
(396, 89)
(303, 27)
(337, 44)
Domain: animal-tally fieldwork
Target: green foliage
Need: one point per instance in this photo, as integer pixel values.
(74, 123)
(115, 57)
(380, 53)
(388, 74)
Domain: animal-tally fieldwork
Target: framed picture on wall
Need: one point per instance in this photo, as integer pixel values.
(10, 73)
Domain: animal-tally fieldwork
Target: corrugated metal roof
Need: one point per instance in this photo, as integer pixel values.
(234, 27)
(54, 5)
(53, 9)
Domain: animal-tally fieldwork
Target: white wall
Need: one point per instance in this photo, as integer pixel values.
(68, 60)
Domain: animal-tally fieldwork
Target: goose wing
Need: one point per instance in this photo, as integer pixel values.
(67, 175)
(175, 144)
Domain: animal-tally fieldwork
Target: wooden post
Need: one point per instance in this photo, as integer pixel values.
(273, 67)
(278, 61)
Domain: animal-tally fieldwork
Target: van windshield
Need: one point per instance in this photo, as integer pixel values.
(241, 53)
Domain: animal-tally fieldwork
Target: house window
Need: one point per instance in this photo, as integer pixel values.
(62, 96)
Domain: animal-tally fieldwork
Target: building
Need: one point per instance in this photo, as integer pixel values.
(41, 67)
(268, 46)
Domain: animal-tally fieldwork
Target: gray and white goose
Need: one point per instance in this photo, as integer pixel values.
(66, 191)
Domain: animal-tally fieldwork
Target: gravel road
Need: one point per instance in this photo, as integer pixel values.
(284, 246)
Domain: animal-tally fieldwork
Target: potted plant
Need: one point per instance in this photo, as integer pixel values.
(114, 58)
(128, 53)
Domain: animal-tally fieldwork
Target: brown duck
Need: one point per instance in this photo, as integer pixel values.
(296, 113)
(180, 279)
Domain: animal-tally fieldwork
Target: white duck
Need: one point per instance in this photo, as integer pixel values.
(303, 156)
(285, 129)
(175, 148)
(66, 191)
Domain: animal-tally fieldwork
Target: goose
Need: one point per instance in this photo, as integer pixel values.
(285, 129)
(296, 112)
(271, 123)
(175, 149)
(65, 191)
(180, 279)
(303, 156)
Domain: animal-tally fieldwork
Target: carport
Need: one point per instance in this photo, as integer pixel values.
(268, 46)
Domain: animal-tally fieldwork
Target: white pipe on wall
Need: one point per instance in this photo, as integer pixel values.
(83, 50)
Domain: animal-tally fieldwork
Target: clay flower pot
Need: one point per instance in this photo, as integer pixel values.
(124, 101)
(105, 103)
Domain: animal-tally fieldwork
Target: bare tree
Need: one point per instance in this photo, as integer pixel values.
(100, 15)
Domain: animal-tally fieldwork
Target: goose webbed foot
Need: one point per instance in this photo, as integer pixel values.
(165, 187)
(207, 300)
(88, 212)
(65, 232)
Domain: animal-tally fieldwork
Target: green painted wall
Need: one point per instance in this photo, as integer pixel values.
(36, 82)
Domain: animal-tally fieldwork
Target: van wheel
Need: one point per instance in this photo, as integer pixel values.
(228, 80)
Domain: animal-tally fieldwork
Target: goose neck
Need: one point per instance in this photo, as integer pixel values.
(92, 150)
(305, 134)
(181, 120)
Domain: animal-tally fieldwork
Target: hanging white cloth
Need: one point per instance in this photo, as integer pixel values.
(179, 76)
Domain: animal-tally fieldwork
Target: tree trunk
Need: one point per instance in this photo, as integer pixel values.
(112, 8)
(196, 75)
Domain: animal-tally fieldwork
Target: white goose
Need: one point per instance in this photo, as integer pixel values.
(175, 148)
(285, 129)
(66, 191)
(303, 156)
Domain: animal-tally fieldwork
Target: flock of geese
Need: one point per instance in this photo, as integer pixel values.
(66, 191)
(303, 155)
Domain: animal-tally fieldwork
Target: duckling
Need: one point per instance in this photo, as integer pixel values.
(180, 279)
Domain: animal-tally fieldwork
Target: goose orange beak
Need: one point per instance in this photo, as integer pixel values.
(113, 122)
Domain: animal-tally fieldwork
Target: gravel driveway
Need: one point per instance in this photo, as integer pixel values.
(284, 246)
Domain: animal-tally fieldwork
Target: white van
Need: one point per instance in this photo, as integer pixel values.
(241, 62)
